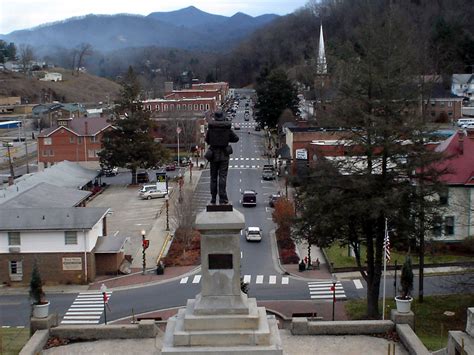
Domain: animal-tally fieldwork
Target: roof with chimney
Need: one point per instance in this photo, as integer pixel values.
(82, 126)
(459, 152)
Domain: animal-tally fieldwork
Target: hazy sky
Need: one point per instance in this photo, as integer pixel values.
(22, 14)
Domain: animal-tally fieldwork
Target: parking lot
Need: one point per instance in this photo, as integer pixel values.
(130, 214)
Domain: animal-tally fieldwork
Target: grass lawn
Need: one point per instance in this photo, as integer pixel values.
(13, 339)
(431, 325)
(339, 256)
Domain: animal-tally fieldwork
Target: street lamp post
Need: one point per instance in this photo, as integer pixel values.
(8, 145)
(167, 200)
(103, 289)
(333, 289)
(286, 183)
(143, 251)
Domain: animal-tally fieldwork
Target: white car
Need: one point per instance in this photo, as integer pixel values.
(253, 234)
(148, 192)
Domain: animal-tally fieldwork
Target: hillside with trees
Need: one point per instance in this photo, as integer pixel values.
(75, 87)
(442, 28)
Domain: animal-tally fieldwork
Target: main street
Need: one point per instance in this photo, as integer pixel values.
(260, 267)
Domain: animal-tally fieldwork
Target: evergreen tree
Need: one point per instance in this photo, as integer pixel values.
(130, 143)
(275, 93)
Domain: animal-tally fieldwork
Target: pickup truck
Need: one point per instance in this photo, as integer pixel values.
(268, 172)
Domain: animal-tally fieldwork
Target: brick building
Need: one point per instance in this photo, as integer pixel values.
(194, 105)
(70, 245)
(74, 139)
(222, 87)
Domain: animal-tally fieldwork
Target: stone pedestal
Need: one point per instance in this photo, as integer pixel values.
(221, 319)
(43, 323)
(403, 318)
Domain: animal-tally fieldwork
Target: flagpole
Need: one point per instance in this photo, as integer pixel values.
(384, 269)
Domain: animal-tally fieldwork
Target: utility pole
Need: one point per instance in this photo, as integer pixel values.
(12, 173)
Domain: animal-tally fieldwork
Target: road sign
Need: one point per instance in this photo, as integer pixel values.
(178, 130)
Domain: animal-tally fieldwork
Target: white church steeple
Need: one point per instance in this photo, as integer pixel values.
(321, 65)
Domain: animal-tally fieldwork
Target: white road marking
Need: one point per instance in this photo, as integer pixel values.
(285, 280)
(241, 255)
(80, 322)
(115, 234)
(247, 278)
(196, 279)
(184, 280)
(82, 313)
(358, 284)
(259, 279)
(272, 280)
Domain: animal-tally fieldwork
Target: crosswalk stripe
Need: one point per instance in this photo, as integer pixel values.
(326, 297)
(325, 292)
(184, 280)
(82, 313)
(81, 317)
(80, 322)
(358, 284)
(285, 280)
(259, 279)
(196, 279)
(247, 278)
(88, 302)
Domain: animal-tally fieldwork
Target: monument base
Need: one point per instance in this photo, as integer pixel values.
(236, 334)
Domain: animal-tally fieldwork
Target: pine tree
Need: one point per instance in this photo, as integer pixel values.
(130, 143)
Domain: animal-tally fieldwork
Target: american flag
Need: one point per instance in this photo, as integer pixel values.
(386, 246)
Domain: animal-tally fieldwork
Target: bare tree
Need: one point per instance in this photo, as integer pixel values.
(26, 56)
(84, 50)
(183, 215)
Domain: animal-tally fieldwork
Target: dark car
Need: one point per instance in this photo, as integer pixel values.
(170, 167)
(257, 128)
(249, 198)
(273, 199)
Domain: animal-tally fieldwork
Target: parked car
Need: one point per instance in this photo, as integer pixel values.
(147, 192)
(273, 199)
(253, 234)
(249, 198)
(268, 172)
(110, 171)
(170, 167)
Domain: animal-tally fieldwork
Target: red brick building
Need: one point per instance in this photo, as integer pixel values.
(74, 139)
(222, 87)
(181, 104)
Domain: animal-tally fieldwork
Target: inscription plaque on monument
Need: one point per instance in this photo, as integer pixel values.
(220, 261)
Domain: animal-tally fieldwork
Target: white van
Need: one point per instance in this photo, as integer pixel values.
(464, 122)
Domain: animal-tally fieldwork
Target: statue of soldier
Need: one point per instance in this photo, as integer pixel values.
(219, 135)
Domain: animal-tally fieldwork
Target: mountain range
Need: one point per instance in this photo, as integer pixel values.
(188, 28)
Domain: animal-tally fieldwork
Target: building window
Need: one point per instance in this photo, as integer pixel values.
(93, 139)
(433, 103)
(207, 107)
(70, 238)
(47, 141)
(196, 107)
(449, 225)
(171, 107)
(450, 104)
(201, 107)
(92, 153)
(437, 222)
(450, 113)
(433, 114)
(16, 269)
(166, 108)
(48, 153)
(441, 103)
(79, 140)
(190, 107)
(71, 140)
(14, 238)
(444, 197)
(178, 107)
